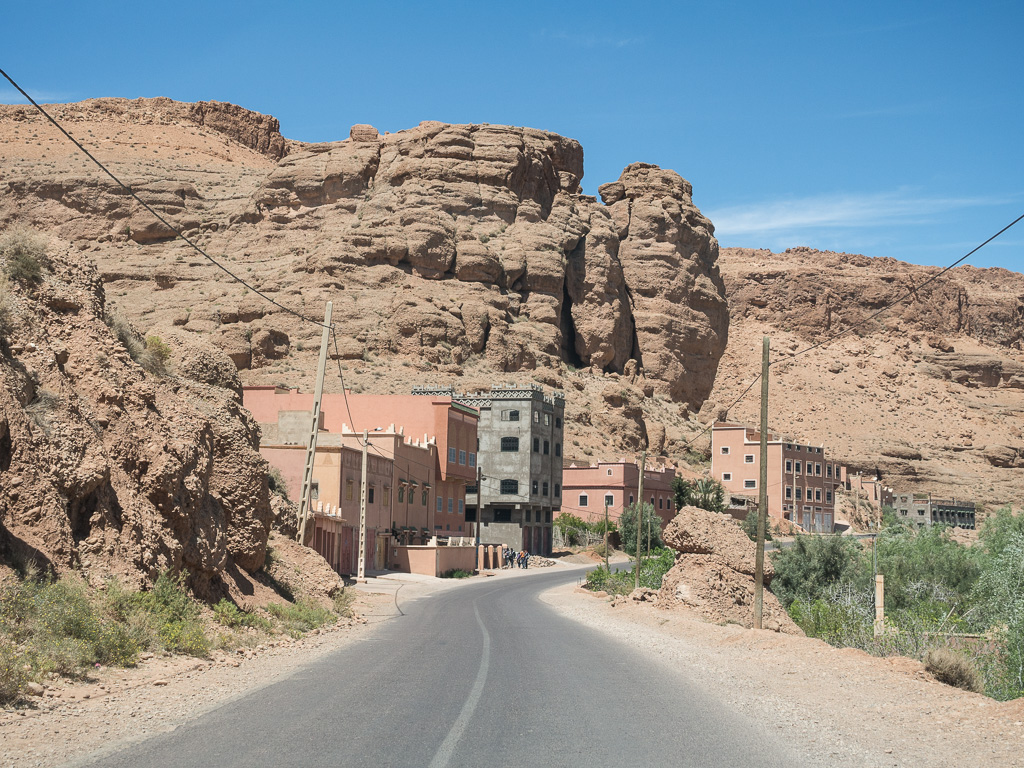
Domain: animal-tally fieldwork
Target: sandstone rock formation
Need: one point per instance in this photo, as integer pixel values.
(714, 572)
(927, 394)
(111, 469)
(447, 249)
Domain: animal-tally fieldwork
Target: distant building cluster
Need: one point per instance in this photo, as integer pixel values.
(921, 510)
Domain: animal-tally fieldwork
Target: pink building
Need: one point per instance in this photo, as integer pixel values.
(802, 482)
(869, 488)
(587, 488)
(431, 443)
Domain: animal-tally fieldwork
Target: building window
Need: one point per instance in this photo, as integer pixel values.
(726, 477)
(509, 486)
(828, 470)
(440, 505)
(544, 489)
(583, 500)
(509, 444)
(725, 450)
(314, 491)
(799, 494)
(510, 415)
(798, 467)
(789, 465)
(424, 501)
(631, 498)
(462, 458)
(451, 505)
(472, 459)
(547, 447)
(661, 502)
(789, 491)
(750, 483)
(536, 417)
(748, 458)
(828, 497)
(452, 455)
(608, 472)
(536, 445)
(369, 495)
(462, 507)
(547, 515)
(817, 469)
(348, 490)
(817, 494)
(558, 449)
(401, 494)
(534, 489)
(558, 490)
(547, 419)
(609, 500)
(558, 422)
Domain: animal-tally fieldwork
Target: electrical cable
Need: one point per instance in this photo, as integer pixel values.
(156, 215)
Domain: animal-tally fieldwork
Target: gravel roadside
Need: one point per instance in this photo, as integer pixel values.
(836, 707)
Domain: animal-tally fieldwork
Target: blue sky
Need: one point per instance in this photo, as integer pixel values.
(889, 129)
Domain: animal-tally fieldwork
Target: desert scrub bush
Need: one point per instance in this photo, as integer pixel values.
(42, 408)
(277, 485)
(175, 615)
(7, 310)
(155, 355)
(456, 573)
(953, 669)
(151, 354)
(12, 673)
(24, 255)
(301, 616)
(231, 616)
(343, 600)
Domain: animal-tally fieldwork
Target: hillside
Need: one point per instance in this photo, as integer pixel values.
(464, 255)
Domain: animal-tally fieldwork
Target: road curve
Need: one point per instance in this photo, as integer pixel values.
(482, 675)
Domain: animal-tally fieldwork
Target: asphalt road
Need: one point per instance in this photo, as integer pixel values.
(484, 675)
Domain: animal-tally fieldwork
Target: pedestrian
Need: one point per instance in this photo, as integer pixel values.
(526, 559)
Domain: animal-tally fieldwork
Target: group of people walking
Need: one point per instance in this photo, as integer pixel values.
(513, 559)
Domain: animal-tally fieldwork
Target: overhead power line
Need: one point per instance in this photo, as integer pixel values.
(910, 292)
(156, 215)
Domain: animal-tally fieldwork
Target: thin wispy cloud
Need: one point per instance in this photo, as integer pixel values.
(11, 96)
(798, 216)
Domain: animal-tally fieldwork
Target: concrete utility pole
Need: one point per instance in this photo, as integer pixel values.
(361, 573)
(606, 567)
(307, 475)
(639, 516)
(762, 498)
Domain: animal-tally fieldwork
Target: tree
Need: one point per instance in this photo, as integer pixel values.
(627, 528)
(709, 494)
(572, 528)
(682, 489)
(749, 526)
(812, 565)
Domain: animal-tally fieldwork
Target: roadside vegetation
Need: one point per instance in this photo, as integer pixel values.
(958, 609)
(59, 627)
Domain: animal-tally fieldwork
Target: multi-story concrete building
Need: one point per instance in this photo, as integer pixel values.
(587, 488)
(520, 454)
(868, 488)
(802, 482)
(921, 509)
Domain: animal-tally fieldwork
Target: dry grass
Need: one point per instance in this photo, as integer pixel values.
(952, 669)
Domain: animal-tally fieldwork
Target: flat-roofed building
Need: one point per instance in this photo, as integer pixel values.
(587, 488)
(922, 509)
(802, 481)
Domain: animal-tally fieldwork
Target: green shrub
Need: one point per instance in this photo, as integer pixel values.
(277, 484)
(811, 566)
(456, 573)
(749, 526)
(650, 533)
(572, 528)
(953, 669)
(12, 673)
(24, 255)
(175, 615)
(230, 615)
(343, 600)
(300, 617)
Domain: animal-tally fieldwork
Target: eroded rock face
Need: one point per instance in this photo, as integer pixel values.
(714, 572)
(113, 470)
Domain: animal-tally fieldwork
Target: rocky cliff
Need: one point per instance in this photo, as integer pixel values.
(108, 467)
(451, 249)
(930, 394)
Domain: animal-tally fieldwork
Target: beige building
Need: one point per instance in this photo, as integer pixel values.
(802, 481)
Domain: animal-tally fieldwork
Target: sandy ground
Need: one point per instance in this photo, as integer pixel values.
(835, 707)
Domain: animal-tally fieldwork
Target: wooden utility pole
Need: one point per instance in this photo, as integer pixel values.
(762, 502)
(879, 605)
(606, 567)
(639, 516)
(479, 492)
(307, 475)
(361, 573)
